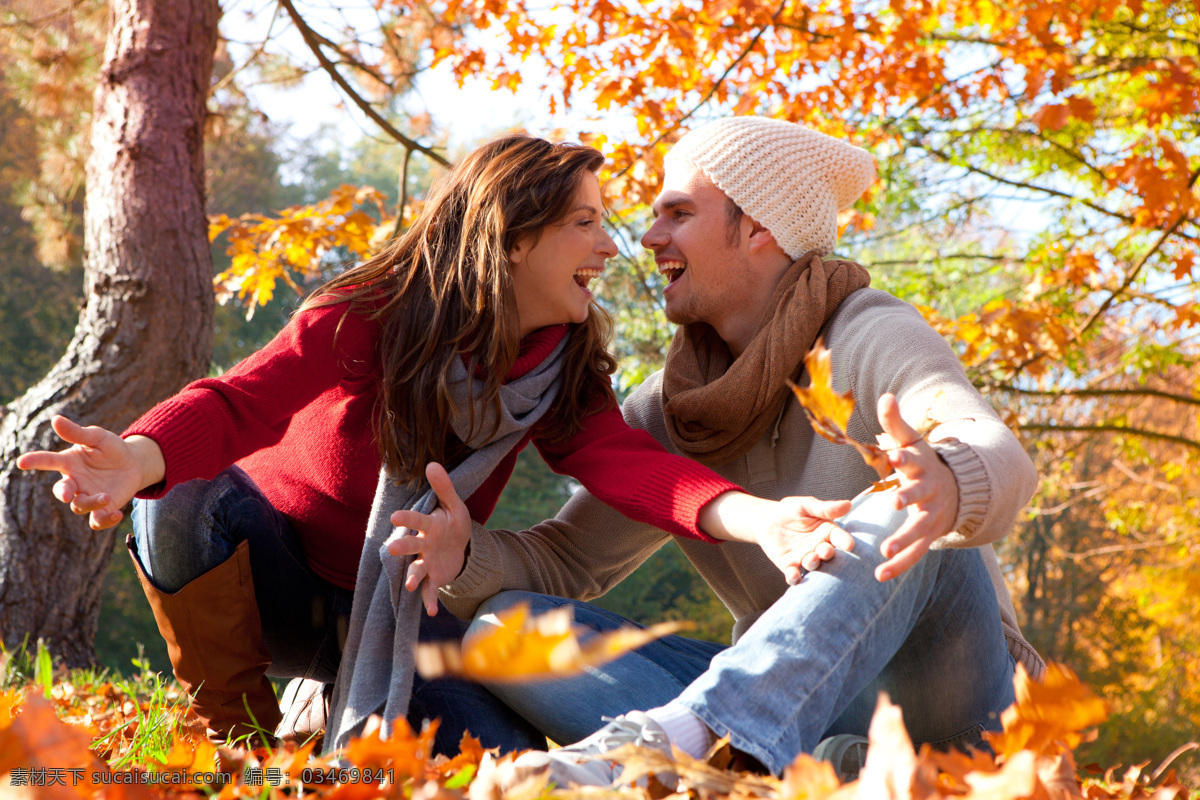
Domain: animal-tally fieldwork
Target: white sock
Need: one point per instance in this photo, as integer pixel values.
(685, 730)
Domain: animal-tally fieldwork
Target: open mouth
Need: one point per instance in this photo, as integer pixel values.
(671, 269)
(585, 276)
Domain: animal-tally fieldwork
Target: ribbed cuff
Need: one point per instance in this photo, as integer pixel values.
(974, 486)
(186, 445)
(691, 488)
(479, 579)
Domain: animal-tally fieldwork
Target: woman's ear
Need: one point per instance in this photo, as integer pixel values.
(519, 252)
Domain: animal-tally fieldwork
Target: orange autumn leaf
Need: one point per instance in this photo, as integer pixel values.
(1048, 715)
(1183, 265)
(188, 756)
(809, 779)
(892, 768)
(291, 763)
(522, 648)
(470, 753)
(1052, 118)
(33, 738)
(404, 751)
(829, 411)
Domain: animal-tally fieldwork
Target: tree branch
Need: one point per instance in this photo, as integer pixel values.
(948, 257)
(1075, 154)
(1113, 549)
(713, 89)
(258, 50)
(1137, 269)
(944, 156)
(1164, 437)
(311, 39)
(1178, 398)
(399, 226)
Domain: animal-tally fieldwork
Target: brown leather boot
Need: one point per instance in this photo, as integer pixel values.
(214, 638)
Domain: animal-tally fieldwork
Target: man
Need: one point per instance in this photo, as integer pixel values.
(746, 215)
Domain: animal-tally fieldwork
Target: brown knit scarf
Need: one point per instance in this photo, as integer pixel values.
(718, 407)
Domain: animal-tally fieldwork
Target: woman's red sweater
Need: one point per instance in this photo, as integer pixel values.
(297, 414)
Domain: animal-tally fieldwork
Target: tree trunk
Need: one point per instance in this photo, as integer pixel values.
(145, 328)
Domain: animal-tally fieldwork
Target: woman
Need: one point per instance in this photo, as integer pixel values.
(255, 488)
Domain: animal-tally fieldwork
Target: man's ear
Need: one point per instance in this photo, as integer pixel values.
(760, 237)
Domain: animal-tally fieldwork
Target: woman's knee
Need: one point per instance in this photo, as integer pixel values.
(180, 536)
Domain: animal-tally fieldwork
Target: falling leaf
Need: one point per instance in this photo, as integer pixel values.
(522, 648)
(829, 412)
(885, 485)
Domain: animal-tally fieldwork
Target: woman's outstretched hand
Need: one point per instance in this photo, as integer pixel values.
(101, 472)
(795, 532)
(440, 543)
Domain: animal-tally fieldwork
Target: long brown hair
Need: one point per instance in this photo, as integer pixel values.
(443, 289)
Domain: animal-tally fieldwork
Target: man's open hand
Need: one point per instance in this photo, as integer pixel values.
(927, 487)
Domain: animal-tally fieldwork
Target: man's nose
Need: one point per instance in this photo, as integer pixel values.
(655, 237)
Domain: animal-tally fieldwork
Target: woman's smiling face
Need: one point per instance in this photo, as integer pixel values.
(551, 271)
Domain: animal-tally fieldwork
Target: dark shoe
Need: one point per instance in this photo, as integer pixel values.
(214, 639)
(846, 752)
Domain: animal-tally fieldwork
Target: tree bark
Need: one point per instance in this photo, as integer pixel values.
(145, 328)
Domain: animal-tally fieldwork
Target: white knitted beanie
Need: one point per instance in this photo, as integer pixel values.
(789, 179)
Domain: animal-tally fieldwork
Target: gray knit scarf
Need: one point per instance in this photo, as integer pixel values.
(376, 673)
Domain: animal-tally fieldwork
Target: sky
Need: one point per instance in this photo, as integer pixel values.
(468, 114)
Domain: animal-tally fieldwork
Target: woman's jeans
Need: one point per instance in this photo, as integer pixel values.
(198, 525)
(814, 663)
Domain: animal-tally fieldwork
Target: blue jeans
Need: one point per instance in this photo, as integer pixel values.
(814, 663)
(198, 525)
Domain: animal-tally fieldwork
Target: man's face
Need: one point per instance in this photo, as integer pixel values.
(704, 260)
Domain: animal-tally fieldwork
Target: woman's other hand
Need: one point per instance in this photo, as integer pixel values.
(440, 541)
(101, 472)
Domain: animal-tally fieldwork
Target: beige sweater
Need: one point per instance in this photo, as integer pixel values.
(878, 344)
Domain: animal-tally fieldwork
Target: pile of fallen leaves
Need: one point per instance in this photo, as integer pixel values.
(77, 743)
(95, 739)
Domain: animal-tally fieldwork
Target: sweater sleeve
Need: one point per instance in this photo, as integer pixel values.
(580, 554)
(884, 345)
(631, 472)
(213, 422)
